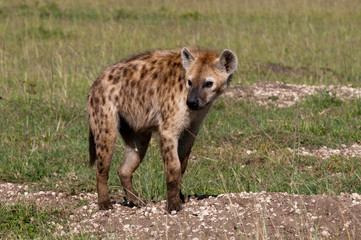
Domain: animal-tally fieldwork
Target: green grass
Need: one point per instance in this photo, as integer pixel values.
(52, 51)
(26, 220)
(42, 147)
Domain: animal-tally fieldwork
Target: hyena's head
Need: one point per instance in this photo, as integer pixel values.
(207, 75)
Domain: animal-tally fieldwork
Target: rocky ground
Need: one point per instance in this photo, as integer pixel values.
(228, 216)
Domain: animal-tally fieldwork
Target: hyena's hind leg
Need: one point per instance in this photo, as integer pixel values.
(136, 145)
(102, 138)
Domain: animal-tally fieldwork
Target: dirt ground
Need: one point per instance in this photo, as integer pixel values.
(227, 216)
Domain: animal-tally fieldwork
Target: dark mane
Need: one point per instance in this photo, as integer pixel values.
(141, 56)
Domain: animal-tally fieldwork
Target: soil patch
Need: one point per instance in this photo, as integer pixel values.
(325, 152)
(286, 95)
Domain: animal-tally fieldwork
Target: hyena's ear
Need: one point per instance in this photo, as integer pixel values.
(227, 62)
(187, 58)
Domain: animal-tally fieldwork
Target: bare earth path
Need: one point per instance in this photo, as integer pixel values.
(228, 216)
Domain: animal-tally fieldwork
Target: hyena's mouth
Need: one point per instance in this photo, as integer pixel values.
(195, 109)
(196, 106)
(193, 103)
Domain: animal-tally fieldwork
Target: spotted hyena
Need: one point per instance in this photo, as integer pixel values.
(166, 91)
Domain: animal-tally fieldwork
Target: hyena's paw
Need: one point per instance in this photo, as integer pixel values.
(174, 205)
(106, 205)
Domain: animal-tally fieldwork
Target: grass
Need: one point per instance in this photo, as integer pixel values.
(26, 220)
(52, 51)
(47, 150)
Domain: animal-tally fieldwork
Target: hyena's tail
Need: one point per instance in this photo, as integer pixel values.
(92, 151)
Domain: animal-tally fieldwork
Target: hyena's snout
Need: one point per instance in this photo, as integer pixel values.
(193, 101)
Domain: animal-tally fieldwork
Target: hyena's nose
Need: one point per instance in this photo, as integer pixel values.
(193, 103)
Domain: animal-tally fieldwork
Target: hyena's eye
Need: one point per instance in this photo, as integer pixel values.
(208, 84)
(189, 83)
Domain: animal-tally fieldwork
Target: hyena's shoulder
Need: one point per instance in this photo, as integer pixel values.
(154, 58)
(151, 65)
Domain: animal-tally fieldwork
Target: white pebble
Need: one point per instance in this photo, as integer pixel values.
(154, 209)
(324, 233)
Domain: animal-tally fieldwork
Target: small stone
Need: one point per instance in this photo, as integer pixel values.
(154, 209)
(205, 213)
(324, 233)
(356, 196)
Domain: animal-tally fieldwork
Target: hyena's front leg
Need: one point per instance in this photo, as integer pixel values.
(169, 146)
(185, 144)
